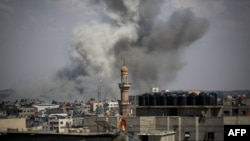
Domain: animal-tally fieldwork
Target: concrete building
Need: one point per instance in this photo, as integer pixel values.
(134, 100)
(92, 105)
(236, 106)
(186, 128)
(26, 112)
(59, 123)
(95, 105)
(87, 108)
(183, 127)
(112, 105)
(41, 107)
(12, 123)
(178, 128)
(111, 108)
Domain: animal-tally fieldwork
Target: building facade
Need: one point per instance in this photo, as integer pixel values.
(59, 123)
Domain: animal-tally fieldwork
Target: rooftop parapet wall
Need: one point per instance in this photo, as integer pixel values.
(14, 123)
(197, 129)
(236, 120)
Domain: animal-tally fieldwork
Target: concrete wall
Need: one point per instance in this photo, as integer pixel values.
(198, 128)
(210, 111)
(236, 120)
(229, 110)
(194, 126)
(213, 125)
(53, 137)
(13, 123)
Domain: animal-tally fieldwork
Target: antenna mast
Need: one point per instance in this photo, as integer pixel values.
(99, 91)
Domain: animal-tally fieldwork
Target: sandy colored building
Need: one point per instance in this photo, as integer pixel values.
(12, 123)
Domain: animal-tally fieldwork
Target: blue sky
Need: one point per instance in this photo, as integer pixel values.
(36, 39)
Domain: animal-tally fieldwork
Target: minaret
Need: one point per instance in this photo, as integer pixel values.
(124, 87)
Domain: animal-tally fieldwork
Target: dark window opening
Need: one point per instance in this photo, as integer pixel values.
(226, 113)
(186, 136)
(209, 136)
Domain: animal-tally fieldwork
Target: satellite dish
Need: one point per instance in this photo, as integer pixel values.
(123, 124)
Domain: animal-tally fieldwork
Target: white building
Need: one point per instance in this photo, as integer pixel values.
(113, 105)
(59, 122)
(154, 89)
(112, 108)
(41, 107)
(95, 105)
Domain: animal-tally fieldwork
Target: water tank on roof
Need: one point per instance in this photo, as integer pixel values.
(163, 100)
(172, 99)
(182, 99)
(191, 99)
(157, 97)
(210, 100)
(202, 99)
(154, 100)
(151, 100)
(146, 98)
(142, 100)
(215, 97)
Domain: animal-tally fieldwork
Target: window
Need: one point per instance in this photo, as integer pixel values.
(61, 122)
(186, 136)
(243, 113)
(226, 112)
(209, 136)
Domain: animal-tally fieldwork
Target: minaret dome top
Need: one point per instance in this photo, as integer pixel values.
(124, 68)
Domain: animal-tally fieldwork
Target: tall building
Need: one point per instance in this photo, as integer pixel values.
(124, 86)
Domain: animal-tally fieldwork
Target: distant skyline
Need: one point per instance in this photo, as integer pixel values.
(53, 48)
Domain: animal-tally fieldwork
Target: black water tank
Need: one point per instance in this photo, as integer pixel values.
(197, 100)
(157, 97)
(172, 100)
(203, 98)
(182, 99)
(146, 98)
(163, 100)
(215, 97)
(191, 99)
(151, 100)
(142, 100)
(153, 97)
(210, 100)
(167, 98)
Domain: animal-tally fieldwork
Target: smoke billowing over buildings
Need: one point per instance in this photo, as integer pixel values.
(130, 29)
(150, 41)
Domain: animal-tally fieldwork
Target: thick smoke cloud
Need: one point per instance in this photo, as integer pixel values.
(151, 49)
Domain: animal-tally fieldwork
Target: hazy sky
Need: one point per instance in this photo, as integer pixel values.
(36, 37)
